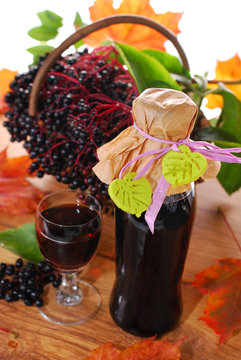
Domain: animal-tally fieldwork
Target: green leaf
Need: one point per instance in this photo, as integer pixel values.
(22, 241)
(50, 19)
(214, 133)
(78, 23)
(230, 118)
(43, 33)
(170, 62)
(48, 30)
(146, 71)
(230, 177)
(39, 50)
(230, 174)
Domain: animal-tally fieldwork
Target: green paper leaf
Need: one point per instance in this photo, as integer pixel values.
(39, 50)
(170, 62)
(22, 241)
(132, 196)
(181, 168)
(146, 70)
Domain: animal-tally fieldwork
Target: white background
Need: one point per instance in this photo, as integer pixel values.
(210, 29)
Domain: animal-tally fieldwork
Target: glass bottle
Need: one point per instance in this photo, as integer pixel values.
(146, 298)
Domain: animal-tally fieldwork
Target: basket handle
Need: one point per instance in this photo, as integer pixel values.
(88, 29)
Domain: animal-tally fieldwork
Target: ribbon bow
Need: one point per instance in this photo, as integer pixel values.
(209, 151)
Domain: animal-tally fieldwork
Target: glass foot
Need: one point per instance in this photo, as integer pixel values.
(63, 313)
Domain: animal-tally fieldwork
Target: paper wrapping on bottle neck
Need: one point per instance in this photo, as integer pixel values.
(163, 113)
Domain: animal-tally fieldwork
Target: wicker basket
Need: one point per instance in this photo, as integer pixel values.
(88, 29)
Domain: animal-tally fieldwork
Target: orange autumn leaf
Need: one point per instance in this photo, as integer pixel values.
(6, 77)
(222, 283)
(17, 196)
(142, 350)
(149, 349)
(104, 352)
(139, 36)
(226, 70)
(14, 167)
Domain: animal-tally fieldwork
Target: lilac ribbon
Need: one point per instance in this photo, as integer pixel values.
(210, 151)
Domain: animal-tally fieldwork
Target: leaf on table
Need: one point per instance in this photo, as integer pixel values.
(104, 352)
(226, 70)
(22, 241)
(17, 195)
(222, 282)
(14, 167)
(137, 35)
(142, 350)
(150, 349)
(6, 77)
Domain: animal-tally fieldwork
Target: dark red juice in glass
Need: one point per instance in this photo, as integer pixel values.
(72, 245)
(146, 297)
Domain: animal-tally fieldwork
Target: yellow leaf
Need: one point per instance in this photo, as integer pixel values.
(226, 70)
(139, 36)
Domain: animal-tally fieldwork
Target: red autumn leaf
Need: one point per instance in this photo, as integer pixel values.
(143, 350)
(139, 36)
(104, 352)
(6, 76)
(222, 283)
(17, 196)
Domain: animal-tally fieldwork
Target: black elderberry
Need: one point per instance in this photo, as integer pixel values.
(3, 267)
(40, 173)
(19, 263)
(39, 302)
(28, 301)
(9, 297)
(9, 269)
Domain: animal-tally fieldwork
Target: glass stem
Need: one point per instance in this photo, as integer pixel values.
(69, 293)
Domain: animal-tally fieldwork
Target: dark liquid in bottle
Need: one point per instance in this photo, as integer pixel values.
(71, 246)
(146, 297)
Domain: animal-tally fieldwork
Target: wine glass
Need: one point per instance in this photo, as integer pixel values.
(68, 225)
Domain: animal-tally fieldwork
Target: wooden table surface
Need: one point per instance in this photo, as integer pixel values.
(211, 239)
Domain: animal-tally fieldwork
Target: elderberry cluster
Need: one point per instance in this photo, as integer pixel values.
(84, 102)
(26, 281)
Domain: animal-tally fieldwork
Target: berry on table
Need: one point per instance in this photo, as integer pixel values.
(27, 283)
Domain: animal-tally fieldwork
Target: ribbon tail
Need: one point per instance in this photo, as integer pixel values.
(157, 201)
